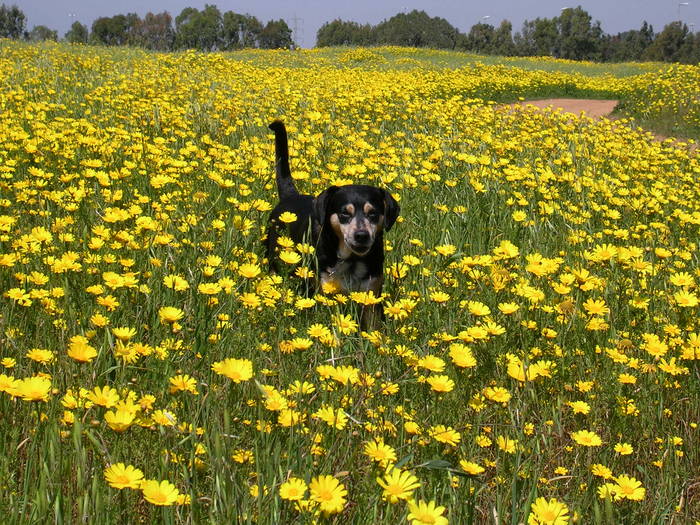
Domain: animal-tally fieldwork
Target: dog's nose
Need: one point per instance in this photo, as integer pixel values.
(361, 237)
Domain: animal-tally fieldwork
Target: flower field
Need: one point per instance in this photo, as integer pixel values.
(540, 360)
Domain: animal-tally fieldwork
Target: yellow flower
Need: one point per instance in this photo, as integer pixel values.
(289, 257)
(365, 298)
(462, 355)
(105, 396)
(380, 452)
(624, 449)
(287, 217)
(478, 309)
(601, 471)
(335, 418)
(120, 476)
(80, 350)
(328, 493)
(548, 512)
(164, 418)
(506, 444)
(177, 283)
(293, 489)
(422, 513)
(345, 324)
(209, 288)
(470, 467)
(446, 249)
(629, 488)
(685, 299)
(580, 407)
(99, 320)
(40, 355)
(170, 314)
(236, 370)
(249, 271)
(441, 383)
(497, 394)
(439, 297)
(398, 485)
(119, 420)
(586, 438)
(161, 493)
(124, 333)
(519, 216)
(183, 382)
(34, 388)
(432, 363)
(596, 307)
(445, 434)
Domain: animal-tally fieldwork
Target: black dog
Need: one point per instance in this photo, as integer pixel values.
(345, 225)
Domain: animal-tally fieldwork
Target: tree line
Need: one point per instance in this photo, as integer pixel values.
(571, 35)
(207, 29)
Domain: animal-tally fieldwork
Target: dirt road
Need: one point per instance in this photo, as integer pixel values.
(593, 108)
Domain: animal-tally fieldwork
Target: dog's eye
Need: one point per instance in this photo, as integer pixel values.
(373, 216)
(344, 216)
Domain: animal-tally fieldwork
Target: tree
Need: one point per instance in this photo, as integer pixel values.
(630, 45)
(503, 40)
(41, 33)
(77, 34)
(417, 29)
(480, 38)
(340, 33)
(576, 37)
(156, 31)
(537, 38)
(196, 29)
(240, 31)
(13, 23)
(276, 35)
(118, 30)
(673, 44)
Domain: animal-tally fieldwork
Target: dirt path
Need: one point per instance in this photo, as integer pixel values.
(593, 108)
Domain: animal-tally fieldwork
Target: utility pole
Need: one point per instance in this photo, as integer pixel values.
(297, 30)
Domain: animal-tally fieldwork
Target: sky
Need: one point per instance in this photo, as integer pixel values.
(307, 16)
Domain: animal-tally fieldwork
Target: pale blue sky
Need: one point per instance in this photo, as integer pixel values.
(615, 15)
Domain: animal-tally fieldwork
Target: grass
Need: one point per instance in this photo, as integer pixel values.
(541, 282)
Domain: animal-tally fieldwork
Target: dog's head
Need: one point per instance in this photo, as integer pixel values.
(357, 215)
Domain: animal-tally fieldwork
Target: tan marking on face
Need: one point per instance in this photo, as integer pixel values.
(340, 232)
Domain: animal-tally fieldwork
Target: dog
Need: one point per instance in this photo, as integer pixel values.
(345, 224)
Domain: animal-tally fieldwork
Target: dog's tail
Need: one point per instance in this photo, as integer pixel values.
(285, 183)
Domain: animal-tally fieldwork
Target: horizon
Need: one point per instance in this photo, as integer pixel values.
(306, 17)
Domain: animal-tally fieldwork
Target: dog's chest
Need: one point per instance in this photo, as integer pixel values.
(347, 276)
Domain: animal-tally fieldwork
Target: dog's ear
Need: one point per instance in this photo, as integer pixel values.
(391, 210)
(320, 204)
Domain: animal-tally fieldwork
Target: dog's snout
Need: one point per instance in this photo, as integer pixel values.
(361, 237)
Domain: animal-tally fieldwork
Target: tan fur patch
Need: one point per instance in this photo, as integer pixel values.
(343, 249)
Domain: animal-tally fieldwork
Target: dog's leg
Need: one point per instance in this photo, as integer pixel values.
(371, 317)
(270, 247)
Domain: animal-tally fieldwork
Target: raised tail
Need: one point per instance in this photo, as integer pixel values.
(285, 183)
